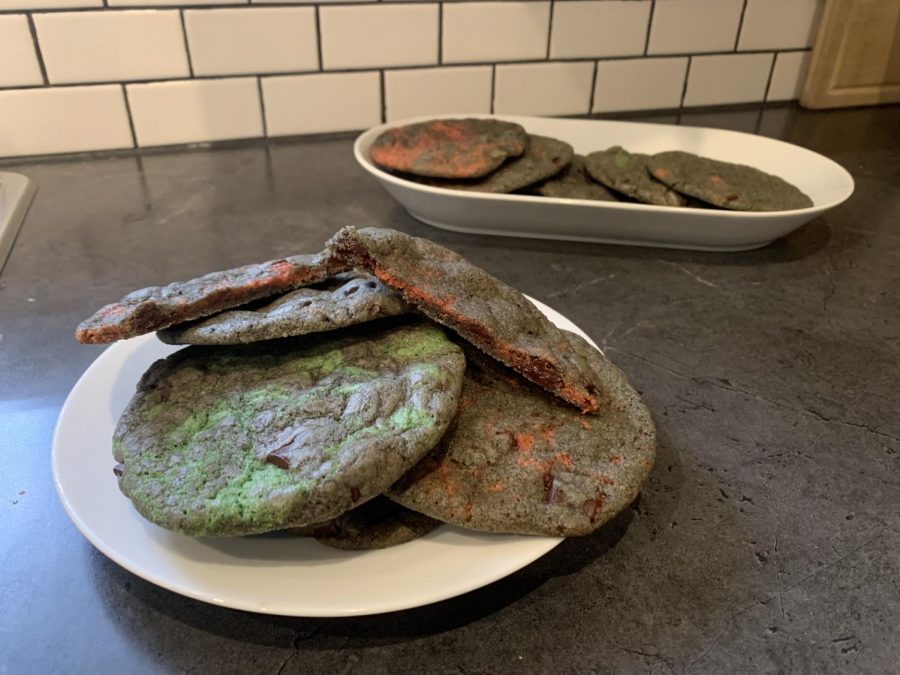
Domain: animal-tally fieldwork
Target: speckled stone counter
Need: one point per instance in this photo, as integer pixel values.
(766, 540)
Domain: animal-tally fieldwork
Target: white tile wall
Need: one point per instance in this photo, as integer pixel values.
(661, 84)
(292, 2)
(112, 46)
(434, 91)
(585, 28)
(195, 111)
(18, 60)
(336, 65)
(695, 26)
(495, 31)
(310, 104)
(257, 40)
(66, 119)
(778, 24)
(172, 3)
(544, 88)
(730, 78)
(48, 4)
(372, 36)
(788, 76)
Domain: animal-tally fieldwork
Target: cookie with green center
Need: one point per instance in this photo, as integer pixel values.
(517, 461)
(252, 438)
(157, 307)
(627, 172)
(544, 157)
(573, 182)
(345, 300)
(449, 148)
(489, 314)
(731, 186)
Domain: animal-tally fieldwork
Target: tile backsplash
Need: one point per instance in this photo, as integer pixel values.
(104, 46)
(88, 75)
(696, 26)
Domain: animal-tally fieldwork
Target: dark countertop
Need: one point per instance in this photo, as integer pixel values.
(766, 540)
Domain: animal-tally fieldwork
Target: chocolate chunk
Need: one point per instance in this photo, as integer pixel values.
(278, 460)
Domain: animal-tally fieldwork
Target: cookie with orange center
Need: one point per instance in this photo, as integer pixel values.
(449, 148)
(346, 299)
(489, 314)
(627, 173)
(517, 461)
(730, 186)
(545, 157)
(158, 307)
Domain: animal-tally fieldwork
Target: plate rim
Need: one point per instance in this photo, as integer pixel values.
(541, 544)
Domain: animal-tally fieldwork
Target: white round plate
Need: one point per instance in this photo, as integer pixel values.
(826, 182)
(293, 576)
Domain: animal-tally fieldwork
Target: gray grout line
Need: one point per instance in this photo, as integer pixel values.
(737, 38)
(769, 81)
(418, 67)
(550, 27)
(187, 49)
(262, 106)
(210, 5)
(37, 49)
(140, 152)
(381, 84)
(493, 87)
(593, 88)
(319, 38)
(649, 27)
(213, 4)
(687, 76)
(130, 117)
(440, 36)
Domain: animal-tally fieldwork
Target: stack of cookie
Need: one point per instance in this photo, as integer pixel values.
(488, 155)
(366, 394)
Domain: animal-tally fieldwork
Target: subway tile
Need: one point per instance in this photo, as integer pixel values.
(371, 36)
(694, 26)
(435, 91)
(49, 4)
(110, 46)
(292, 2)
(18, 61)
(321, 103)
(271, 40)
(544, 88)
(788, 76)
(195, 111)
(495, 31)
(778, 24)
(639, 84)
(173, 3)
(599, 28)
(64, 119)
(729, 78)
